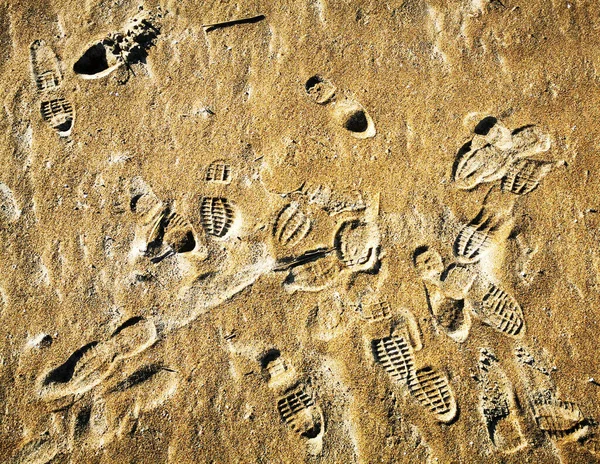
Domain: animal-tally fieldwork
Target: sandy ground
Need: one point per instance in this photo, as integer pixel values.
(299, 231)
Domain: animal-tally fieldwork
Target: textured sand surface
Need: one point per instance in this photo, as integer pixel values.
(299, 231)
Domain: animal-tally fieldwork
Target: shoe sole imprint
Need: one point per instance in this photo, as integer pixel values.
(432, 391)
(219, 172)
(298, 409)
(217, 215)
(291, 226)
(45, 67)
(501, 311)
(498, 405)
(58, 114)
(524, 176)
(395, 354)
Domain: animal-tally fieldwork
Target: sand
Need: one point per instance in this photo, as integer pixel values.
(285, 231)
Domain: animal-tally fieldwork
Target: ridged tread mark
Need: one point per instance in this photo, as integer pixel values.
(396, 356)
(58, 113)
(474, 238)
(558, 418)
(299, 411)
(219, 172)
(525, 175)
(217, 215)
(292, 225)
(501, 311)
(375, 310)
(432, 390)
(45, 66)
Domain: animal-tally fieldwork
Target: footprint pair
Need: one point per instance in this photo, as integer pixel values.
(454, 292)
(496, 153)
(296, 404)
(347, 112)
(55, 109)
(430, 387)
(91, 364)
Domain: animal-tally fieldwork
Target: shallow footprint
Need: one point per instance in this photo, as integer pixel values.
(91, 364)
(45, 67)
(498, 405)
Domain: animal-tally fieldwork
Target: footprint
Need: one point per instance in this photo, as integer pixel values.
(319, 89)
(172, 230)
(219, 172)
(143, 390)
(91, 364)
(479, 236)
(291, 226)
(296, 404)
(496, 308)
(395, 354)
(277, 371)
(432, 390)
(314, 275)
(333, 202)
(217, 216)
(373, 308)
(347, 112)
(55, 109)
(298, 409)
(120, 48)
(493, 150)
(327, 320)
(58, 114)
(525, 175)
(9, 210)
(498, 405)
(353, 117)
(38, 451)
(559, 419)
(445, 292)
(356, 243)
(45, 67)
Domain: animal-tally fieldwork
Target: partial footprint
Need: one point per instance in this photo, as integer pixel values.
(58, 114)
(299, 410)
(219, 172)
(119, 48)
(291, 226)
(373, 308)
(91, 364)
(525, 175)
(559, 419)
(480, 235)
(45, 67)
(9, 210)
(496, 308)
(357, 243)
(314, 274)
(433, 392)
(217, 215)
(331, 201)
(353, 117)
(498, 405)
(38, 451)
(319, 89)
(445, 292)
(347, 112)
(492, 151)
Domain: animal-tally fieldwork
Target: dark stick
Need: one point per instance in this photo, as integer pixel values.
(233, 22)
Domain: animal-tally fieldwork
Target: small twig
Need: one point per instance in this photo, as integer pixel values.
(233, 22)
